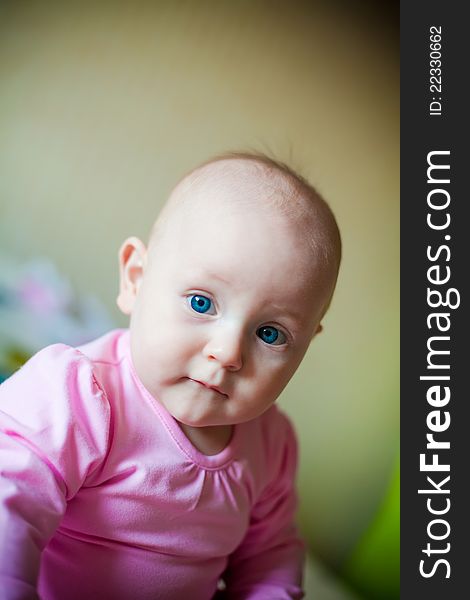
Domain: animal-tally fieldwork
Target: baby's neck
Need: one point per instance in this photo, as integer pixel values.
(208, 440)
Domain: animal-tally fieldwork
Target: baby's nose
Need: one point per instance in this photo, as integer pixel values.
(227, 349)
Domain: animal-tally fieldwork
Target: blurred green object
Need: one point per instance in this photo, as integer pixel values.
(373, 568)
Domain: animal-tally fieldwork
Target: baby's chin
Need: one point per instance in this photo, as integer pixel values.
(211, 422)
(203, 421)
(191, 418)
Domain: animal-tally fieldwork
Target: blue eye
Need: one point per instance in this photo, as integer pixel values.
(271, 335)
(200, 304)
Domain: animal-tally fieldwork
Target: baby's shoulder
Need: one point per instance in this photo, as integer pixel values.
(62, 361)
(271, 452)
(55, 406)
(60, 374)
(108, 349)
(275, 437)
(54, 395)
(276, 426)
(55, 366)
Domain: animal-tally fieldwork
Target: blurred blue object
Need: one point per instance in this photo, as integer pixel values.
(38, 307)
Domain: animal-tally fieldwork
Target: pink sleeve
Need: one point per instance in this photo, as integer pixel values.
(269, 562)
(54, 427)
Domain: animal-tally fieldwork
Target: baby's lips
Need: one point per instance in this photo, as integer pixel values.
(209, 386)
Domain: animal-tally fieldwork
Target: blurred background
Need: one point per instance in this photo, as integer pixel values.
(105, 105)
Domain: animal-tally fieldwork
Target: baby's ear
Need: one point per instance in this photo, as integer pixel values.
(318, 330)
(132, 258)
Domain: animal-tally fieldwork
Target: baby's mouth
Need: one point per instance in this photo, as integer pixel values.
(208, 386)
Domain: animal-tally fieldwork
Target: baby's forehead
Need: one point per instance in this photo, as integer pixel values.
(252, 189)
(242, 187)
(236, 181)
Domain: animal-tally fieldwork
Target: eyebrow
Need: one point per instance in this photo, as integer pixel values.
(215, 275)
(209, 273)
(290, 313)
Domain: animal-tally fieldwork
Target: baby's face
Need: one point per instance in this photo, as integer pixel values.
(227, 304)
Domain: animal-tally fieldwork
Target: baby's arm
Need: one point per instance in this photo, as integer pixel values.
(54, 424)
(269, 562)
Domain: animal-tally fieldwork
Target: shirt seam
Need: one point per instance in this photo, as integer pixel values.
(104, 395)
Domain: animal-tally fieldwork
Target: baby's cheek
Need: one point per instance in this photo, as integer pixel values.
(275, 382)
(256, 390)
(169, 351)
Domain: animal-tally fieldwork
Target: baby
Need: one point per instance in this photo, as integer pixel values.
(152, 462)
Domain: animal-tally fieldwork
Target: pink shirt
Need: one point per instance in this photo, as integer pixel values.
(103, 496)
